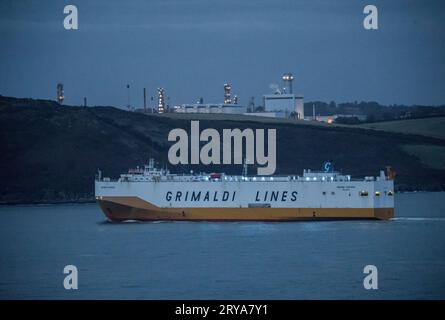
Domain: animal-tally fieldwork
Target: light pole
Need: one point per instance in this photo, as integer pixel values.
(128, 97)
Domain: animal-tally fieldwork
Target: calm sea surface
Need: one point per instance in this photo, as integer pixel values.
(233, 260)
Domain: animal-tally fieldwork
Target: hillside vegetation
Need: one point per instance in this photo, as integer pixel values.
(431, 127)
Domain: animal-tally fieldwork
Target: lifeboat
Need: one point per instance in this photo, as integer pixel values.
(214, 176)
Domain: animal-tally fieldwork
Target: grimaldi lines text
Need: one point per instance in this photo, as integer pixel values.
(150, 193)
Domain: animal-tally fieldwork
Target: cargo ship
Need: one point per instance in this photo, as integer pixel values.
(148, 193)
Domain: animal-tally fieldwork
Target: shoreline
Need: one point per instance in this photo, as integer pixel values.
(43, 203)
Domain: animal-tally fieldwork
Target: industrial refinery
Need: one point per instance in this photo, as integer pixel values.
(60, 95)
(280, 103)
(230, 105)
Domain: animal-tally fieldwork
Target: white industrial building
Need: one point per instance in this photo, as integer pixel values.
(284, 104)
(211, 108)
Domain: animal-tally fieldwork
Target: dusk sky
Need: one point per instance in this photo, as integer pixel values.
(192, 47)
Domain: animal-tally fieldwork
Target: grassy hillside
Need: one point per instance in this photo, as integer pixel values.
(431, 127)
(51, 152)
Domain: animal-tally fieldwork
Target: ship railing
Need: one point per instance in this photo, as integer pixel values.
(226, 178)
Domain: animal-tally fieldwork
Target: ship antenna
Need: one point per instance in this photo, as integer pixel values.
(245, 168)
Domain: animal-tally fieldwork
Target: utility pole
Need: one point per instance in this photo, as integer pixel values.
(145, 100)
(128, 97)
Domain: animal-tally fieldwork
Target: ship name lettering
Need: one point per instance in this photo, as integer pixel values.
(284, 196)
(195, 197)
(275, 196)
(178, 196)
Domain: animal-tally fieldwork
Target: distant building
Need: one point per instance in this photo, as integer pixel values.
(285, 104)
(210, 108)
(161, 102)
(60, 93)
(267, 114)
(287, 81)
(227, 93)
(230, 105)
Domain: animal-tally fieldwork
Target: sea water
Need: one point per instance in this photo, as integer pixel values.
(222, 260)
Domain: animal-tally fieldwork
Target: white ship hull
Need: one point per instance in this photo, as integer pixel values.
(269, 198)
